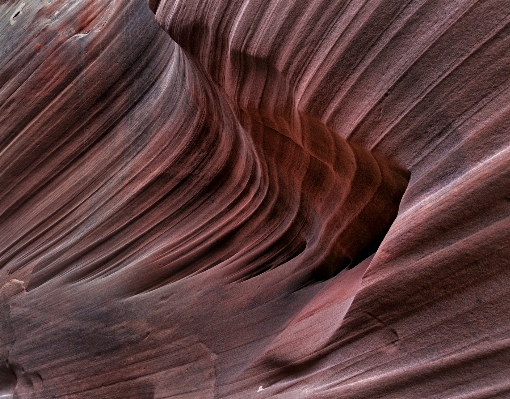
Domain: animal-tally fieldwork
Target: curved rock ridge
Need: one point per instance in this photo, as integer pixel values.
(197, 212)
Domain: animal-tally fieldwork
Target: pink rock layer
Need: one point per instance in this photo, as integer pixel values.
(185, 212)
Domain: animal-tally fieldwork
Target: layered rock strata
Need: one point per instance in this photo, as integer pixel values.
(211, 207)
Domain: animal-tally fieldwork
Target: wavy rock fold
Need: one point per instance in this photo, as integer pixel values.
(247, 198)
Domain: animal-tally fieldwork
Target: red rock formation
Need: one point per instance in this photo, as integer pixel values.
(187, 213)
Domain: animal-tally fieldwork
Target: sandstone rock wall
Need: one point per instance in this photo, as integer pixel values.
(254, 198)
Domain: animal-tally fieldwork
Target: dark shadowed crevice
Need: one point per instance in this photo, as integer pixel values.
(370, 249)
(7, 381)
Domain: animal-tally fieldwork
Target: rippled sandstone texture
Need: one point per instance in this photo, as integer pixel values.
(186, 212)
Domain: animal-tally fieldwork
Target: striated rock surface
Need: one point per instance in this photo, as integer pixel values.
(254, 199)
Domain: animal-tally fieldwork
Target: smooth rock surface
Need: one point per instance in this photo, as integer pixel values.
(195, 209)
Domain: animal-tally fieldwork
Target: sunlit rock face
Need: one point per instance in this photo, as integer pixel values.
(254, 199)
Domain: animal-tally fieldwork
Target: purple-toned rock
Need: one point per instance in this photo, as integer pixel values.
(254, 199)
